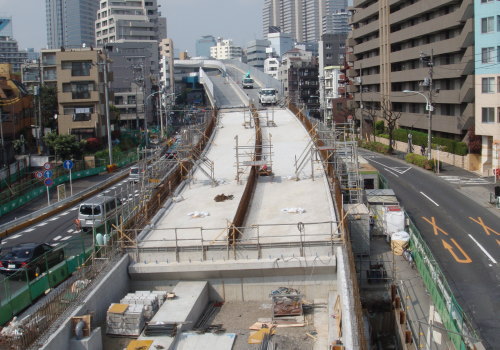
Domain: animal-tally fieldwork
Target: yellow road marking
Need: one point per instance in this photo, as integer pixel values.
(435, 227)
(466, 259)
(486, 229)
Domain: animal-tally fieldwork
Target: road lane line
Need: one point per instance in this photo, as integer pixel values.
(29, 230)
(391, 172)
(484, 250)
(57, 238)
(65, 213)
(70, 230)
(426, 196)
(15, 236)
(54, 219)
(65, 238)
(42, 224)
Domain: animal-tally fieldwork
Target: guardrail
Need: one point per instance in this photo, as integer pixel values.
(54, 208)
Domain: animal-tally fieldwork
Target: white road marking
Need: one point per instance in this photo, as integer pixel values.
(29, 230)
(57, 238)
(137, 194)
(65, 238)
(484, 250)
(4, 241)
(70, 231)
(426, 196)
(391, 172)
(54, 219)
(42, 224)
(74, 208)
(107, 191)
(112, 188)
(136, 191)
(15, 236)
(65, 213)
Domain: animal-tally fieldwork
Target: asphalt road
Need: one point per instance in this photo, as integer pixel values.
(462, 235)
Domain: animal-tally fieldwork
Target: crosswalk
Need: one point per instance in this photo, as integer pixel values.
(465, 181)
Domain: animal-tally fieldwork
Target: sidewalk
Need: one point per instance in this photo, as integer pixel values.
(41, 202)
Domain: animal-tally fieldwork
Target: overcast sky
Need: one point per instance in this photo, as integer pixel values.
(187, 20)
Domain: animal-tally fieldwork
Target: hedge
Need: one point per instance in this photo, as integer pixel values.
(420, 138)
(375, 146)
(420, 161)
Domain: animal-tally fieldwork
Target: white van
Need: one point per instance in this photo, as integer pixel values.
(96, 211)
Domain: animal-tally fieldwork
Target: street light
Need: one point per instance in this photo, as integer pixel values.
(429, 108)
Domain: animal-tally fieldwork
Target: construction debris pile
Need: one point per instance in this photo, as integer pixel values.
(287, 302)
(222, 197)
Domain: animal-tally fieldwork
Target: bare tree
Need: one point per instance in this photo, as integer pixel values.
(371, 113)
(391, 118)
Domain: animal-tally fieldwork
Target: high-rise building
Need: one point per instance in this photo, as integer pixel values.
(70, 23)
(336, 22)
(305, 20)
(129, 20)
(9, 49)
(487, 82)
(398, 49)
(204, 44)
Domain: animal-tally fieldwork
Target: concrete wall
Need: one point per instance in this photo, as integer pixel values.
(314, 277)
(110, 289)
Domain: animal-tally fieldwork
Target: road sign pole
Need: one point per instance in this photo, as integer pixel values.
(48, 195)
(70, 183)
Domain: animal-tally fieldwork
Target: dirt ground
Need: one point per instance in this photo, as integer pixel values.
(237, 317)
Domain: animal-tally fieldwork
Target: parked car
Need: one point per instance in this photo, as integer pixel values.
(35, 257)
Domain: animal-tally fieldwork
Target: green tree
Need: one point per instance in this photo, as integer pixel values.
(64, 146)
(49, 104)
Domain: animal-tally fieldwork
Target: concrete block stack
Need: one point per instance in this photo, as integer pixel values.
(146, 298)
(125, 319)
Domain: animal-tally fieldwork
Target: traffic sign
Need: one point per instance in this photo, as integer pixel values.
(48, 174)
(47, 166)
(48, 182)
(39, 175)
(68, 164)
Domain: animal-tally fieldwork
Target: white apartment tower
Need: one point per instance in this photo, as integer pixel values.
(129, 20)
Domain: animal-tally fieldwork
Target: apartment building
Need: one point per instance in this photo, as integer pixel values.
(225, 50)
(299, 75)
(70, 23)
(129, 20)
(9, 49)
(487, 82)
(271, 67)
(414, 46)
(80, 92)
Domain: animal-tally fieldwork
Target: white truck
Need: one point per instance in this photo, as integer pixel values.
(268, 96)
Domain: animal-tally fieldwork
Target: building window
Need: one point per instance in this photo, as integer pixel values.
(79, 90)
(487, 85)
(487, 24)
(488, 115)
(488, 55)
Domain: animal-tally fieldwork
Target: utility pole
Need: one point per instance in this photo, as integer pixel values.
(430, 108)
(106, 103)
(39, 130)
(361, 102)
